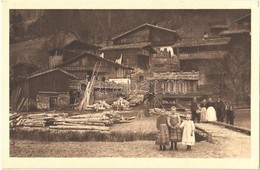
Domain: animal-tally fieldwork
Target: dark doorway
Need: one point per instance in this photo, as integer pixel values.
(53, 102)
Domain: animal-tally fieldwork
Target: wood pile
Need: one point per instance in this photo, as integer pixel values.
(121, 104)
(98, 106)
(62, 121)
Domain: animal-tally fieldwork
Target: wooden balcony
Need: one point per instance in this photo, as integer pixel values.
(203, 55)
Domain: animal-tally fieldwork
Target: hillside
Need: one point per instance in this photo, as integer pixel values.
(99, 26)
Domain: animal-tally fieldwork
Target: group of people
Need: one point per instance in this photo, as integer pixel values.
(172, 130)
(212, 111)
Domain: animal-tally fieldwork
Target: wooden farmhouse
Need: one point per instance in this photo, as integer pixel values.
(138, 46)
(205, 56)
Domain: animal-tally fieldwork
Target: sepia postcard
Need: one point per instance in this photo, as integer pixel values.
(140, 84)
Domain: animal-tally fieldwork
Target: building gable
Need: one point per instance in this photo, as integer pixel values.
(147, 33)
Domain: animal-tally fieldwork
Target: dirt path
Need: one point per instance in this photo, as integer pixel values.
(222, 148)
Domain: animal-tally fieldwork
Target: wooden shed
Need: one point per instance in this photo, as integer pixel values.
(47, 88)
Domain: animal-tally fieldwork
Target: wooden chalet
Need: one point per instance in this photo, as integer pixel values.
(205, 56)
(43, 90)
(139, 45)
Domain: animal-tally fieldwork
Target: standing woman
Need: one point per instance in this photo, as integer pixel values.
(173, 122)
(211, 112)
(203, 110)
(163, 135)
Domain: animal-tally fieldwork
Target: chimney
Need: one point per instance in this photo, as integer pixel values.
(56, 58)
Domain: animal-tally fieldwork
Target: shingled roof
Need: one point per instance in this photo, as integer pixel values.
(129, 46)
(194, 75)
(85, 54)
(143, 26)
(202, 42)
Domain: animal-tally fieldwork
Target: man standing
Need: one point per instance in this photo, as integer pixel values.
(219, 106)
(230, 116)
(194, 108)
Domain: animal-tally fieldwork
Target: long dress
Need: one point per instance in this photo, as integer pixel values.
(211, 112)
(203, 113)
(163, 135)
(176, 133)
(188, 136)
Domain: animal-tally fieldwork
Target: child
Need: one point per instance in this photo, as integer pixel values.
(173, 122)
(229, 112)
(163, 135)
(188, 136)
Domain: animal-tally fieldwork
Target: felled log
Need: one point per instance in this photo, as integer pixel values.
(79, 127)
(97, 115)
(14, 116)
(130, 118)
(34, 124)
(76, 124)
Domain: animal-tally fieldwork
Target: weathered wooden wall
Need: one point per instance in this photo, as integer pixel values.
(54, 81)
(141, 35)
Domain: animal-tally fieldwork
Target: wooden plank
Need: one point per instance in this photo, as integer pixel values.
(19, 106)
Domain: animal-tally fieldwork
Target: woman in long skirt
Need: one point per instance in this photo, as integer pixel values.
(188, 136)
(163, 135)
(203, 111)
(211, 112)
(173, 122)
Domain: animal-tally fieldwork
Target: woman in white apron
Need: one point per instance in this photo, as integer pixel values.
(211, 112)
